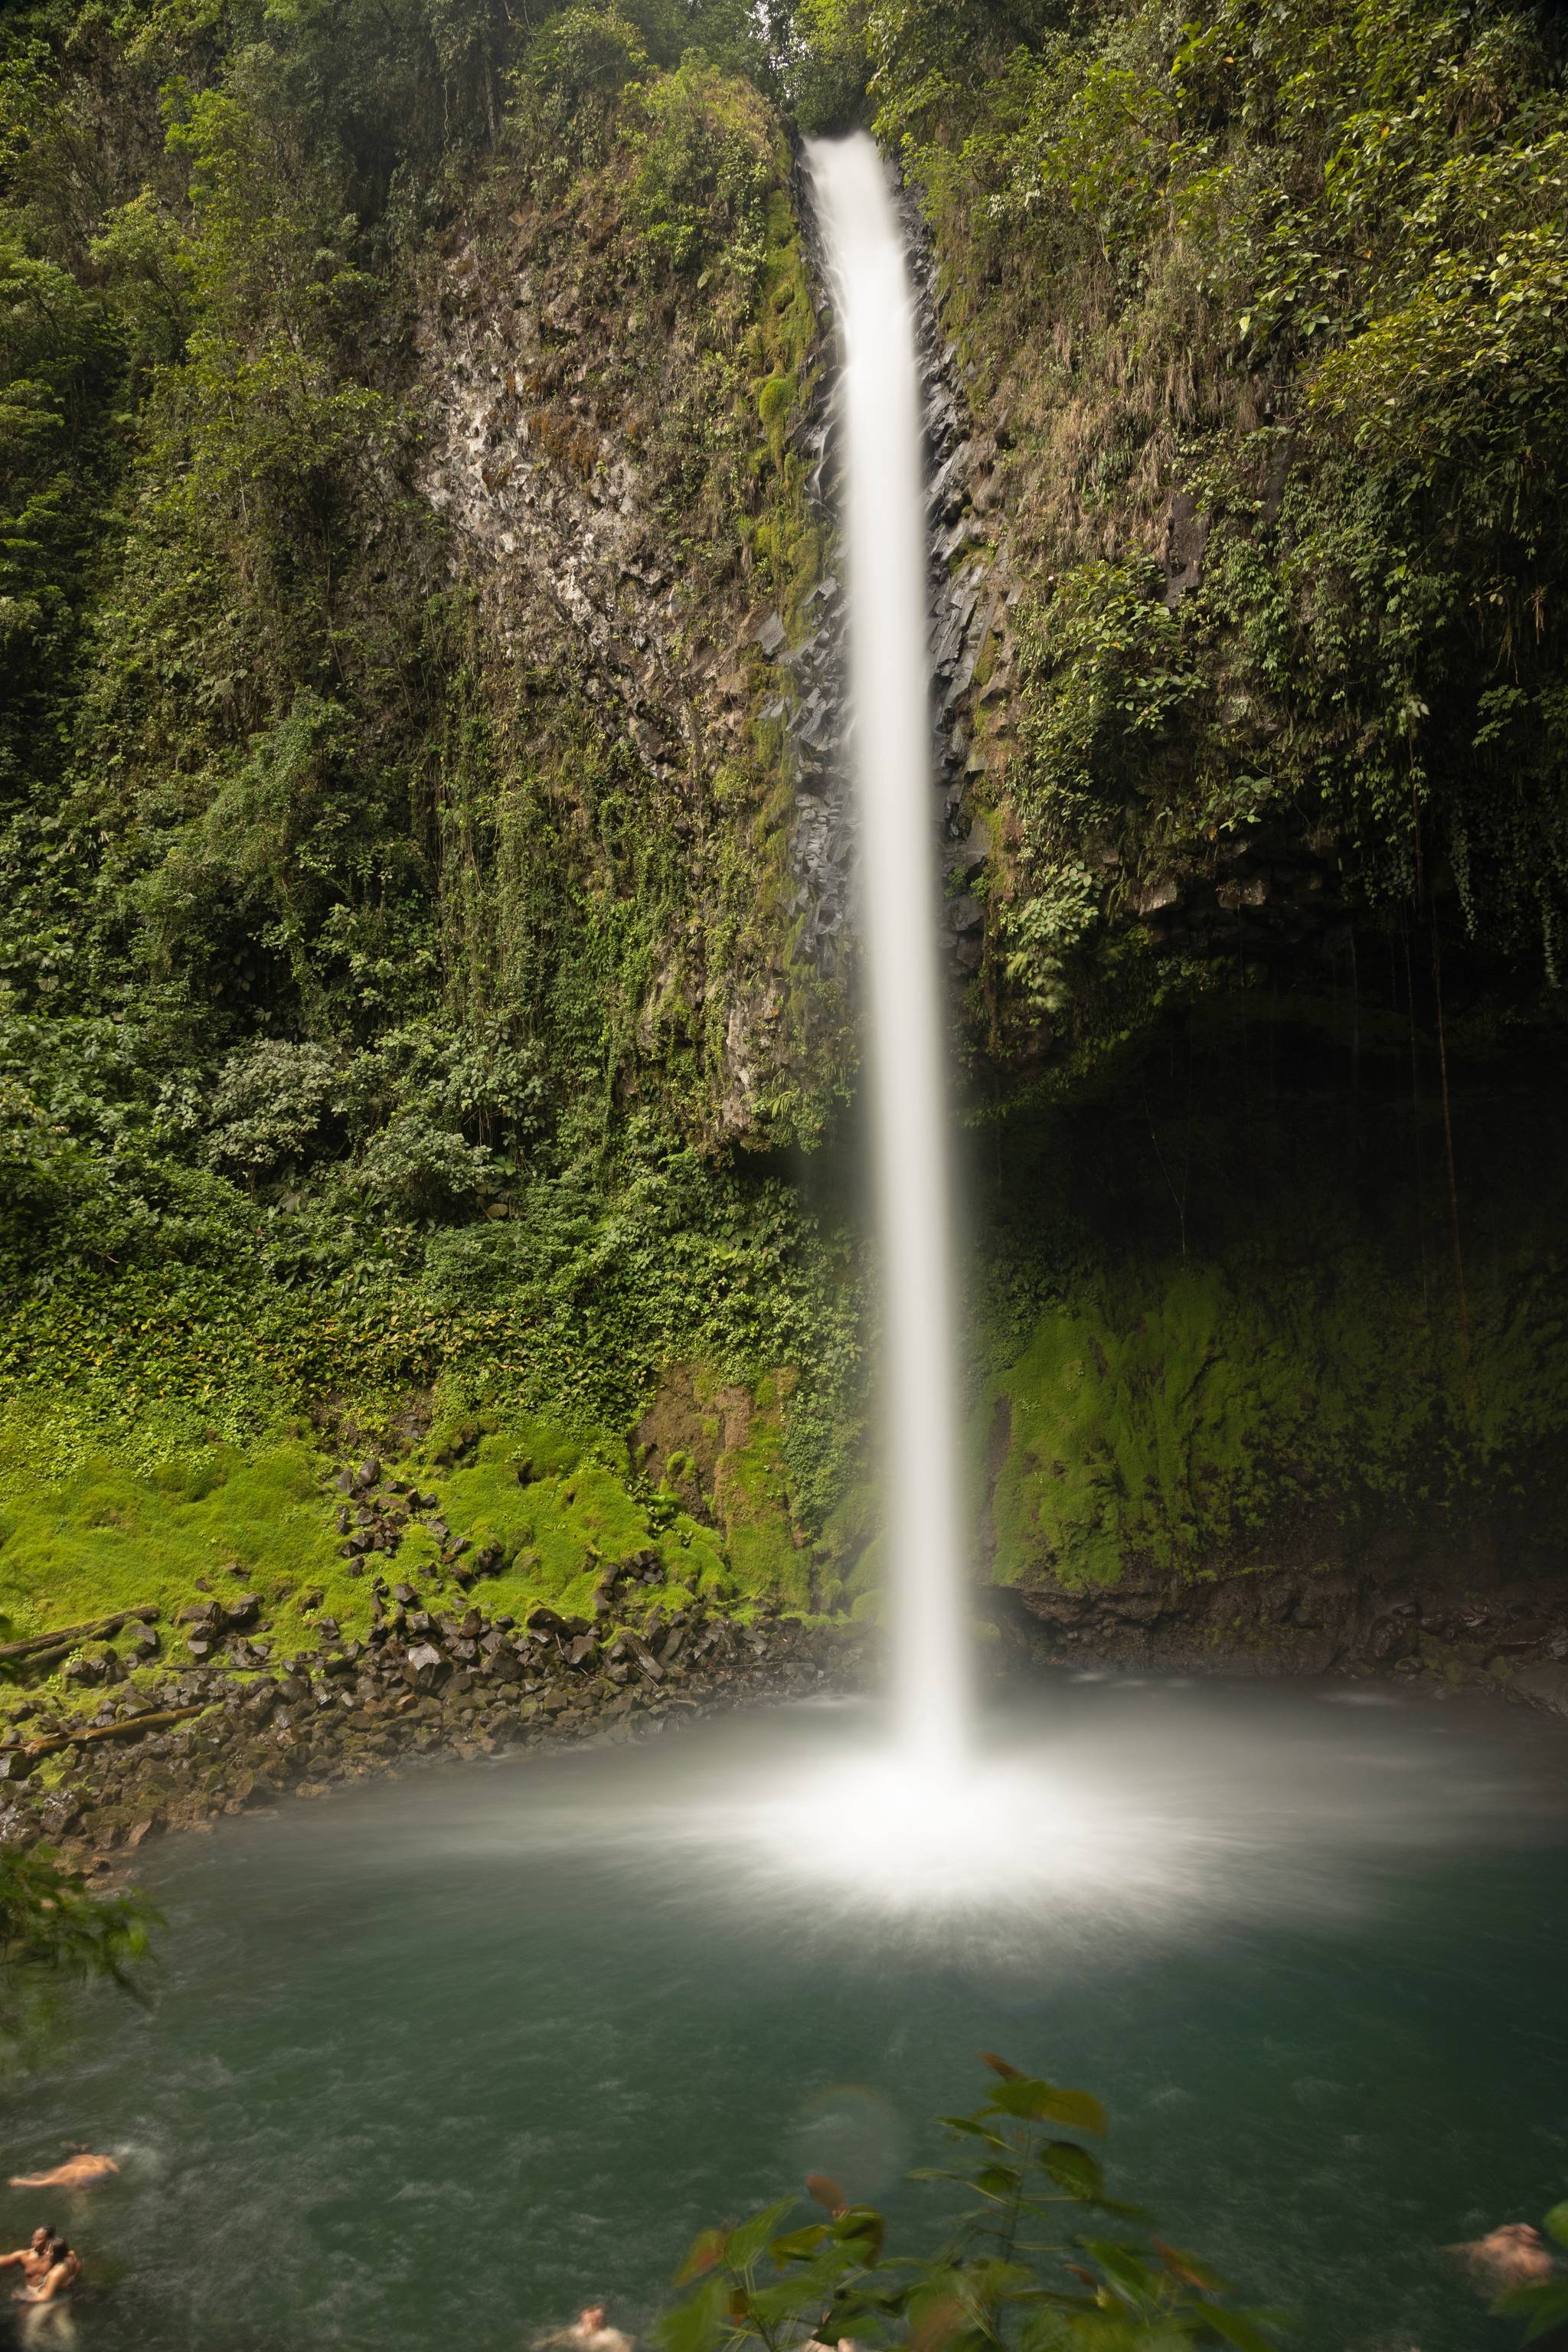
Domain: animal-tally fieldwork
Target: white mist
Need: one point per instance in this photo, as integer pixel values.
(884, 528)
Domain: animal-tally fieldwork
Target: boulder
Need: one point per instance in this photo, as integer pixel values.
(1547, 1684)
(425, 1668)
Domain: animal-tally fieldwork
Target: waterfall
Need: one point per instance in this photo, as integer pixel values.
(884, 551)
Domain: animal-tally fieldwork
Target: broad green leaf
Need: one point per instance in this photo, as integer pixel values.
(1556, 2224)
(798, 2245)
(999, 2281)
(1125, 2266)
(752, 2238)
(1075, 2170)
(699, 2325)
(1238, 2327)
(973, 2126)
(935, 2314)
(1543, 2302)
(1191, 2269)
(704, 2252)
(997, 2179)
(862, 2228)
(772, 2307)
(1549, 2313)
(1041, 2102)
(1078, 2110)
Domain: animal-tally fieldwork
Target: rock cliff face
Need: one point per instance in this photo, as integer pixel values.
(552, 515)
(601, 488)
(1411, 1609)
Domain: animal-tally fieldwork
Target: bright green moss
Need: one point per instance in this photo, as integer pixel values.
(107, 1537)
(1175, 1415)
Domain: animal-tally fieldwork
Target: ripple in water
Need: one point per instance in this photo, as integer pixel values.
(568, 2009)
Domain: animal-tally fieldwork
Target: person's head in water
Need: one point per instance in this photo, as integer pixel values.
(591, 2319)
(44, 2237)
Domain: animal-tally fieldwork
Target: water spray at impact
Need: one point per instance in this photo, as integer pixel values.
(884, 528)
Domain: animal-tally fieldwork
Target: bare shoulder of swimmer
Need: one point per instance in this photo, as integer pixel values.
(1513, 2254)
(53, 2282)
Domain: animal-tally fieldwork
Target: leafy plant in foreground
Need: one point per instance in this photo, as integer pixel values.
(52, 1929)
(1025, 2265)
(1542, 2303)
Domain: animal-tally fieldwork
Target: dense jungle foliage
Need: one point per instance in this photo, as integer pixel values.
(397, 995)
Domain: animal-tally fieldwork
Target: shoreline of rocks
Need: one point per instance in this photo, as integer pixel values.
(230, 1733)
(232, 1728)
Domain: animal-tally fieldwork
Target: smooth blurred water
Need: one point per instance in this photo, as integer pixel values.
(430, 2062)
(887, 689)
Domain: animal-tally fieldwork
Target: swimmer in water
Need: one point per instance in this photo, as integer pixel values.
(589, 2333)
(44, 2307)
(1514, 2254)
(82, 2171)
(32, 2259)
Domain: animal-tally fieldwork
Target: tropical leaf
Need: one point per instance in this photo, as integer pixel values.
(998, 2179)
(1556, 2224)
(1543, 2303)
(862, 2228)
(697, 2325)
(1190, 2269)
(1125, 2267)
(751, 2240)
(1076, 2171)
(1035, 2101)
(704, 2252)
(997, 2281)
(771, 2308)
(1238, 2327)
(798, 2245)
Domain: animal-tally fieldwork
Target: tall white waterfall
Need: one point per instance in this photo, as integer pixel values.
(889, 723)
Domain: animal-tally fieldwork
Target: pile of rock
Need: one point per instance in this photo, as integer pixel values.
(1376, 1617)
(375, 1514)
(226, 1735)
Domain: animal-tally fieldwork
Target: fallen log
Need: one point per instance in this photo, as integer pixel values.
(71, 1635)
(128, 1727)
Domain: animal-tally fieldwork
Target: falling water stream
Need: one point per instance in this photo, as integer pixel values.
(884, 525)
(435, 2062)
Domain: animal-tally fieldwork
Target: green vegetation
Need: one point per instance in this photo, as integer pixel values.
(1543, 2306)
(402, 411)
(1168, 1413)
(1266, 311)
(1041, 2258)
(52, 1933)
